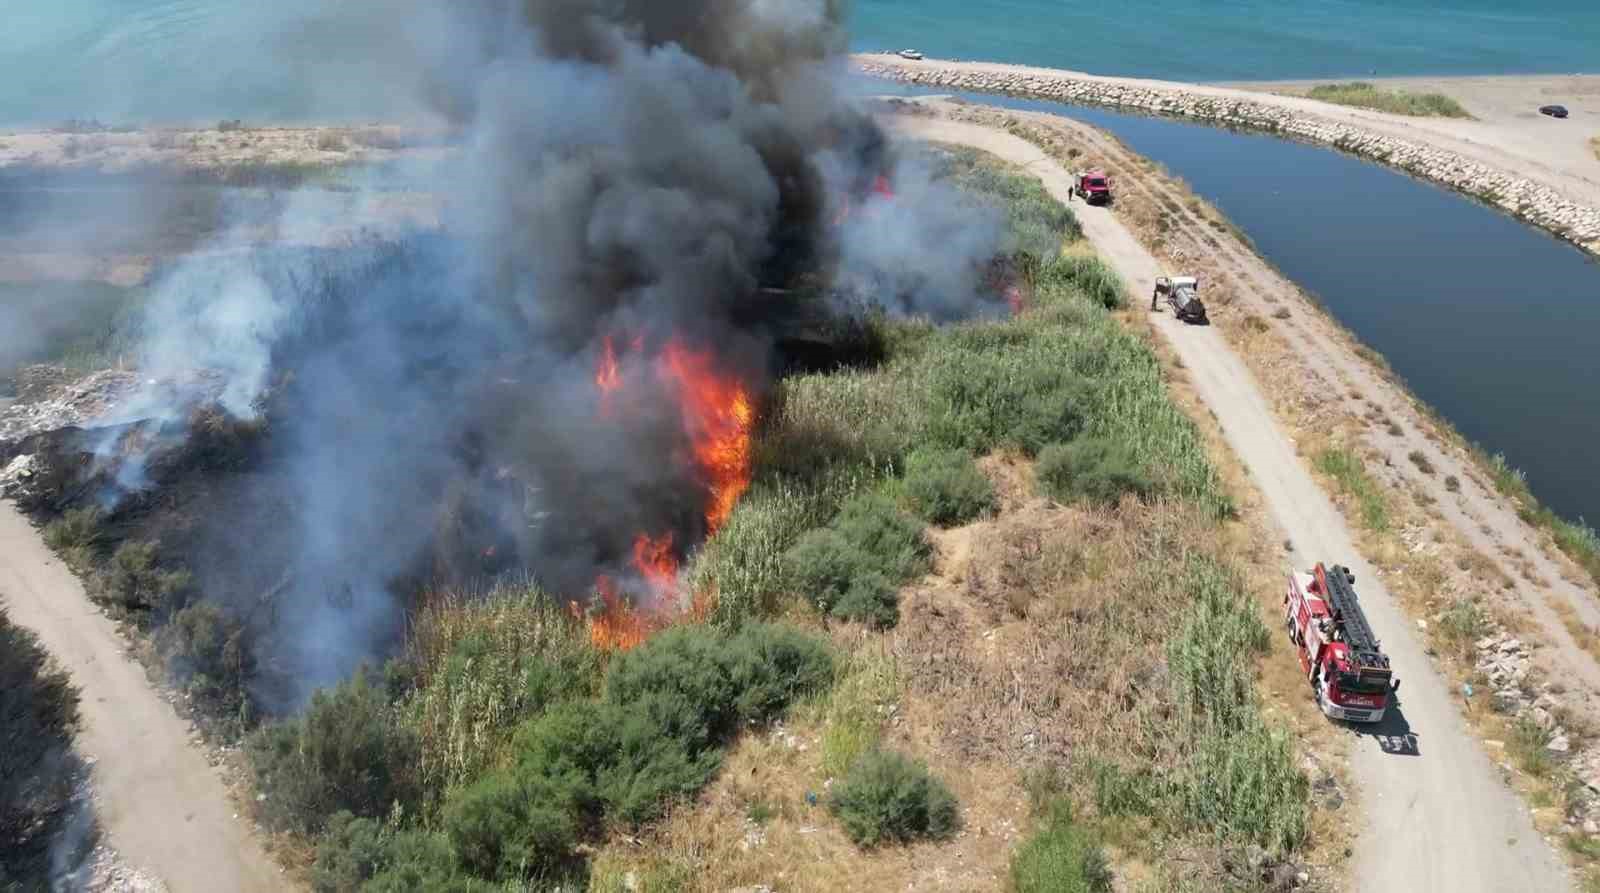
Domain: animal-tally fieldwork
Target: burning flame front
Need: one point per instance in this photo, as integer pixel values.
(718, 417)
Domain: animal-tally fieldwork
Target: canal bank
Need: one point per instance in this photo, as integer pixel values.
(1487, 321)
(1466, 161)
(1428, 521)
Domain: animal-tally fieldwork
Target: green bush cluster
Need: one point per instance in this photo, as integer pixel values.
(1089, 275)
(1061, 856)
(888, 798)
(654, 734)
(134, 580)
(1398, 102)
(481, 669)
(39, 772)
(345, 752)
(207, 652)
(377, 857)
(75, 536)
(1097, 470)
(946, 487)
(1002, 386)
(1348, 471)
(853, 568)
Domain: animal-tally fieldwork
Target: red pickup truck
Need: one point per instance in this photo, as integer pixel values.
(1093, 186)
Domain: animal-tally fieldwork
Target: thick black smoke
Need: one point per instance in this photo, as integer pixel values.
(635, 171)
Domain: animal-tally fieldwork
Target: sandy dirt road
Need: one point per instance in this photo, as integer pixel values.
(162, 806)
(1435, 815)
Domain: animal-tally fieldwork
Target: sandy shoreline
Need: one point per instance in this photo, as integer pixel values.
(1547, 162)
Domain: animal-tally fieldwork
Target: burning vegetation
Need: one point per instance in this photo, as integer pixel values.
(668, 370)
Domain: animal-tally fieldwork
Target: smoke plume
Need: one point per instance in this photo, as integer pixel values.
(636, 178)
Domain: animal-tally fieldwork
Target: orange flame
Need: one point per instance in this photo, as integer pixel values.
(718, 416)
(607, 376)
(880, 187)
(653, 559)
(617, 626)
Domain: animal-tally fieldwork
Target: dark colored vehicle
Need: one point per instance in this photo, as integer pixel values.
(1181, 293)
(1554, 111)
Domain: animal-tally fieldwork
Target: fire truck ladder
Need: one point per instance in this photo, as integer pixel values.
(1341, 596)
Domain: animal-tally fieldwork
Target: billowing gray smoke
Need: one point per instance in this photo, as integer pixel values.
(633, 171)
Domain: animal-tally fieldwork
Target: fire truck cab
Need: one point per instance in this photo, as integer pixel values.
(1349, 674)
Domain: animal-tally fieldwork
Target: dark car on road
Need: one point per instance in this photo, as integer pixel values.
(1554, 111)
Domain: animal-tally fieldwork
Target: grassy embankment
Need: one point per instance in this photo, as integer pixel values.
(981, 584)
(1397, 102)
(1438, 575)
(1456, 589)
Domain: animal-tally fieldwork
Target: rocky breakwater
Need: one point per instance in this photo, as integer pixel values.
(1542, 717)
(1523, 198)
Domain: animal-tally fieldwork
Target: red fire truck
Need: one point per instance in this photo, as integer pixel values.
(1348, 671)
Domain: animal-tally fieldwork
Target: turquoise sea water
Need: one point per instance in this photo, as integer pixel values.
(141, 59)
(1219, 40)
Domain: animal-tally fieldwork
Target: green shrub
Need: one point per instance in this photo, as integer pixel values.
(1526, 745)
(420, 862)
(659, 754)
(483, 666)
(1091, 276)
(74, 536)
(667, 707)
(1005, 385)
(1094, 469)
(345, 752)
(946, 487)
(1461, 625)
(1052, 417)
(718, 681)
(773, 666)
(871, 599)
(510, 826)
(891, 537)
(888, 798)
(206, 652)
(1119, 792)
(39, 772)
(1060, 857)
(133, 580)
(350, 852)
(853, 568)
(1347, 470)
